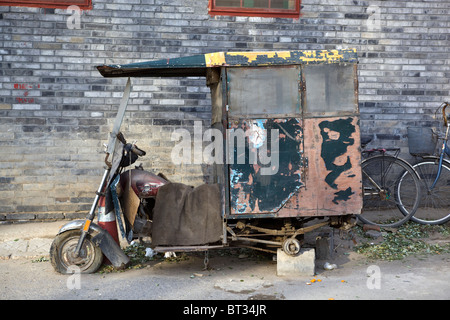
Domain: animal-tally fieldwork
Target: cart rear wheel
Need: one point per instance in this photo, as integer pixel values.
(291, 246)
(62, 255)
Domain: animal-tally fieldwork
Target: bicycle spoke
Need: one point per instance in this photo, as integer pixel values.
(434, 207)
(383, 203)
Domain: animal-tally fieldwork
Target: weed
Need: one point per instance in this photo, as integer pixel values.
(406, 240)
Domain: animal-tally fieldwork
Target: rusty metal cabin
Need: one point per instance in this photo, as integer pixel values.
(290, 125)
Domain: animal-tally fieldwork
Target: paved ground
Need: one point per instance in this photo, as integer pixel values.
(231, 277)
(27, 240)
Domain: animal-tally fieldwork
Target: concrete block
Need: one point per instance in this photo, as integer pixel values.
(301, 265)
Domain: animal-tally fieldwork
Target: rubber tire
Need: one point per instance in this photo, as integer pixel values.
(402, 211)
(92, 256)
(445, 169)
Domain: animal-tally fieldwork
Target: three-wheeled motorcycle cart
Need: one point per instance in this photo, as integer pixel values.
(286, 151)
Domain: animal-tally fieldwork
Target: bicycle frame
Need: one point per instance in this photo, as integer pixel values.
(384, 173)
(382, 151)
(444, 149)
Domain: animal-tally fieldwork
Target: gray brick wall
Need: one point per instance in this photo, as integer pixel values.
(56, 110)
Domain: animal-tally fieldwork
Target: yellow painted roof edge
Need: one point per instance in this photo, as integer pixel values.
(279, 57)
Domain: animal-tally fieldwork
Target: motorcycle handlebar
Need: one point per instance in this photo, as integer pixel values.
(131, 147)
(134, 148)
(137, 151)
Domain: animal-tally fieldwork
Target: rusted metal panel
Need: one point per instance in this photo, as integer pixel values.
(332, 178)
(257, 185)
(319, 171)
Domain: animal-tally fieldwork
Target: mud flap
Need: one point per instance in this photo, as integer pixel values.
(111, 249)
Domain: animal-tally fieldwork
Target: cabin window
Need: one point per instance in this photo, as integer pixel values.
(330, 89)
(263, 90)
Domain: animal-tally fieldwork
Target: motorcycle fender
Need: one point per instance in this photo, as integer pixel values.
(111, 249)
(78, 225)
(102, 239)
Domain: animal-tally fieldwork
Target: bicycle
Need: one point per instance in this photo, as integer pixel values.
(384, 203)
(434, 172)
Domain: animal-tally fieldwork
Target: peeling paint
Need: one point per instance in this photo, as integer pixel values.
(318, 197)
(343, 195)
(250, 191)
(279, 57)
(336, 137)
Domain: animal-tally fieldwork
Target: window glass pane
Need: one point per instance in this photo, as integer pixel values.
(262, 91)
(329, 88)
(228, 3)
(256, 3)
(282, 4)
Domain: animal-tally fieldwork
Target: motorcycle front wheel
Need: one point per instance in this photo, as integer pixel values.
(64, 260)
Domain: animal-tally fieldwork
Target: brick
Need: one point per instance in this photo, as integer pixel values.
(74, 215)
(49, 216)
(21, 216)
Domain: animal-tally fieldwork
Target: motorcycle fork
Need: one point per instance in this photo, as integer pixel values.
(91, 215)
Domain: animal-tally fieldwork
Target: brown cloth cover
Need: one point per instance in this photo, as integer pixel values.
(186, 216)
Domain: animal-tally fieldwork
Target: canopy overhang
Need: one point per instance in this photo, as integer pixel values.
(198, 64)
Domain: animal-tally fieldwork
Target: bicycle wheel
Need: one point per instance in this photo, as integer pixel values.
(434, 207)
(386, 204)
